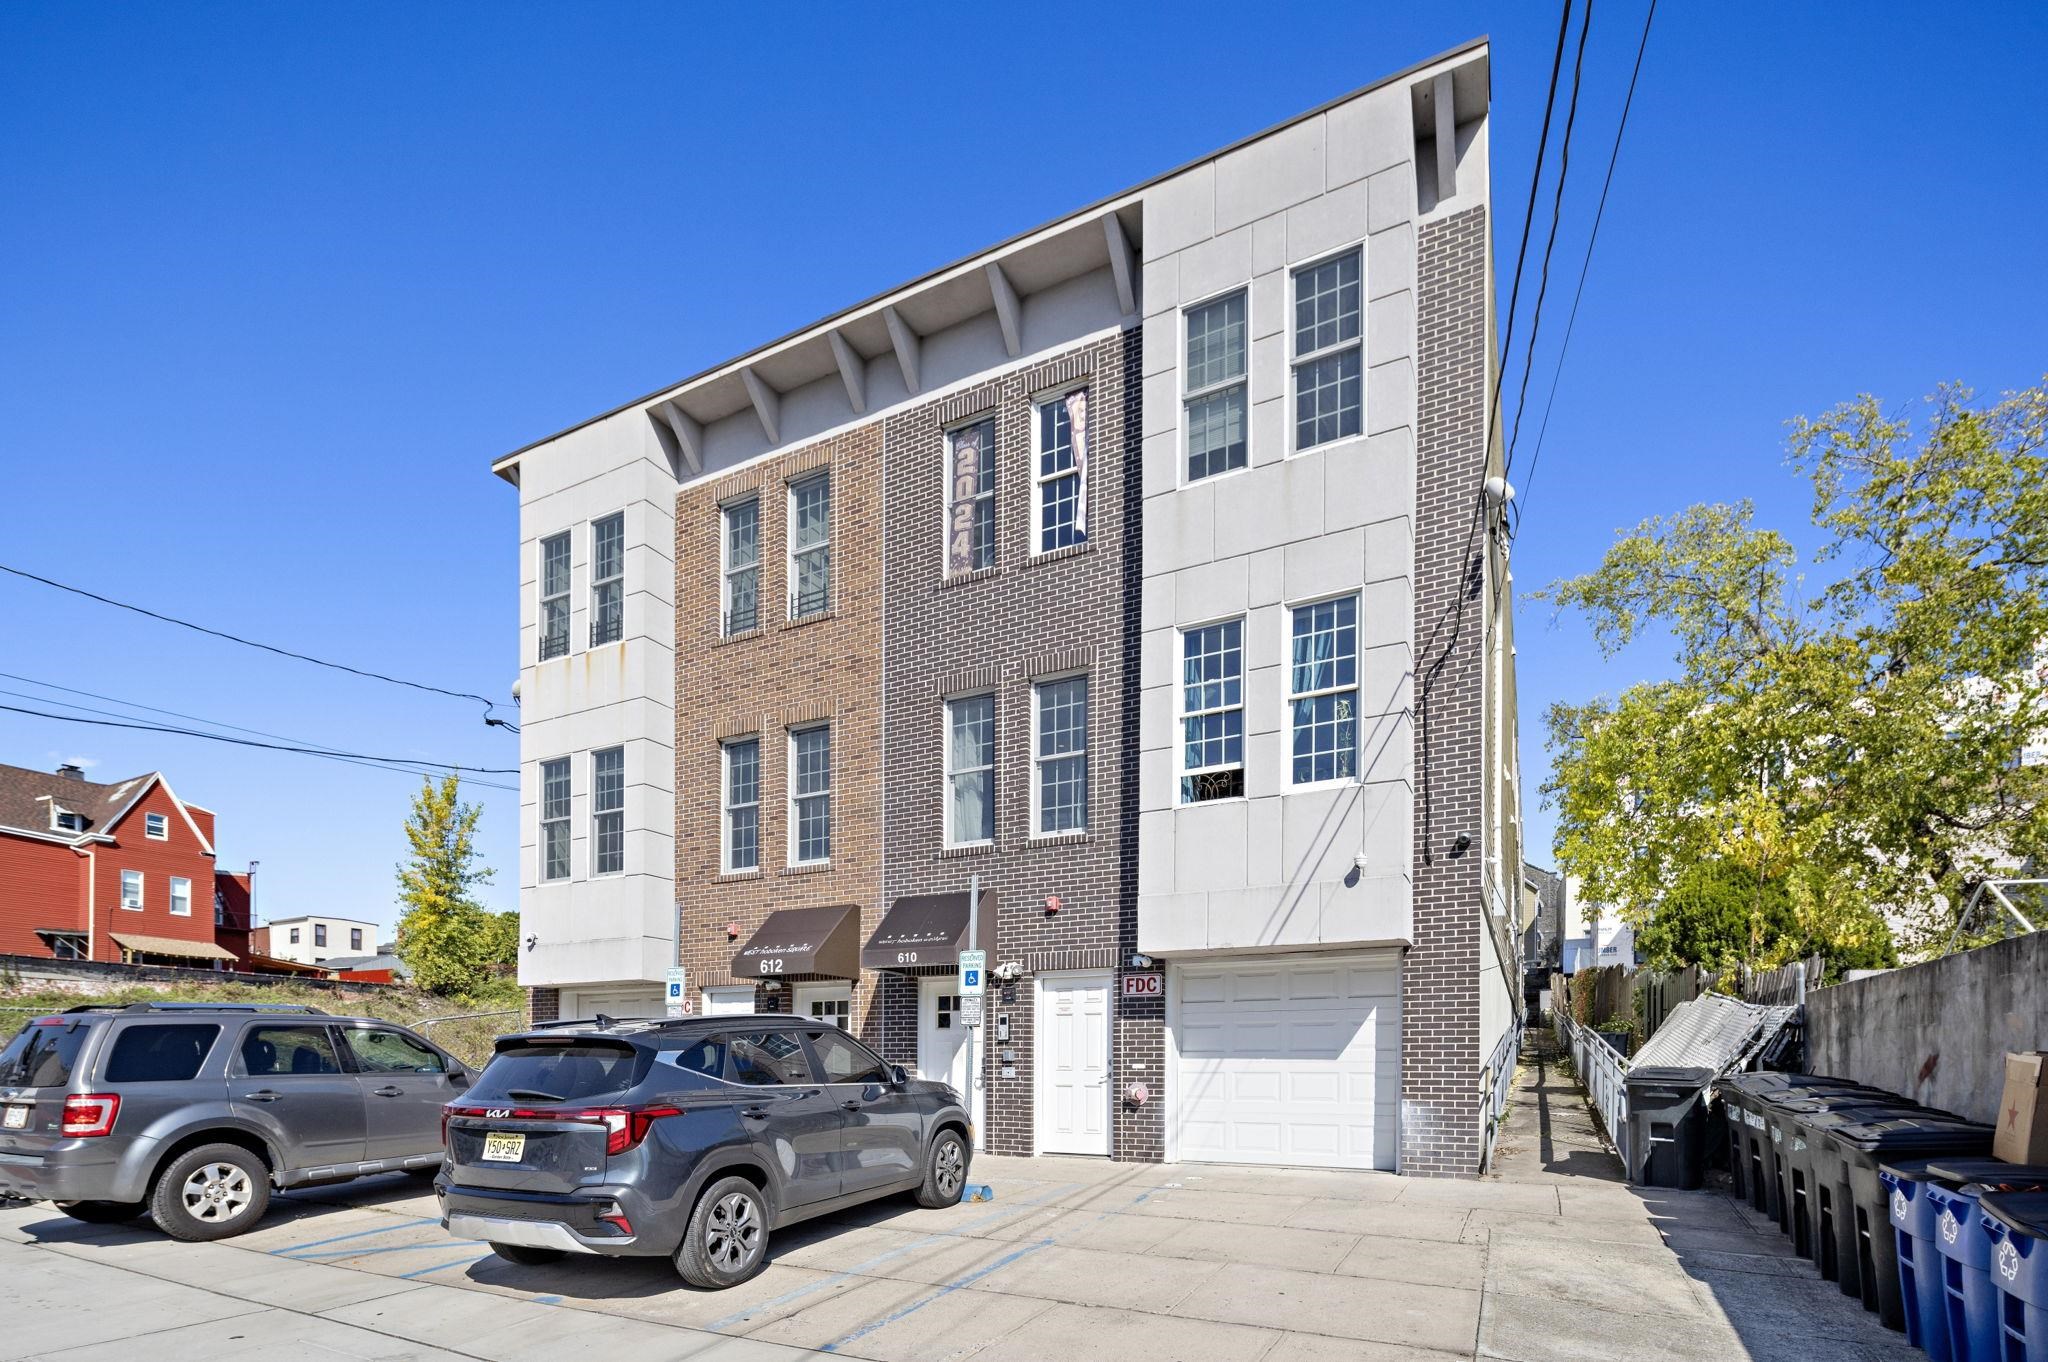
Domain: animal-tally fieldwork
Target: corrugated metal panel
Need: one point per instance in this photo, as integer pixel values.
(1710, 1032)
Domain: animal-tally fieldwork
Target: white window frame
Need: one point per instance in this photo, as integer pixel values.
(1296, 358)
(839, 997)
(1181, 713)
(947, 503)
(1087, 755)
(176, 897)
(598, 584)
(64, 820)
(566, 820)
(138, 901)
(795, 485)
(951, 773)
(543, 597)
(1041, 480)
(1190, 395)
(597, 872)
(1288, 695)
(727, 569)
(727, 806)
(156, 827)
(796, 800)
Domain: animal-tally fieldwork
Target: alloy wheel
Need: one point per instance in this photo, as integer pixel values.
(733, 1235)
(217, 1192)
(950, 1168)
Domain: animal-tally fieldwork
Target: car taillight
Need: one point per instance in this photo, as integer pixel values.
(90, 1113)
(624, 1127)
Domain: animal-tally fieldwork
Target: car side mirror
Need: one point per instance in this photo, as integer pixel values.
(458, 1078)
(898, 1075)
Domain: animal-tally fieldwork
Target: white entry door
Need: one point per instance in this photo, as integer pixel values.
(1073, 1064)
(831, 1003)
(947, 1048)
(729, 1001)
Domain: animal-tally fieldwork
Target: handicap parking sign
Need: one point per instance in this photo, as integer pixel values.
(973, 971)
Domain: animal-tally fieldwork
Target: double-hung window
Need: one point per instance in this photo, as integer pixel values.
(355, 938)
(181, 896)
(131, 890)
(608, 811)
(1060, 470)
(1322, 691)
(743, 804)
(554, 596)
(1060, 754)
(554, 819)
(608, 579)
(970, 770)
(742, 536)
(810, 546)
(319, 933)
(971, 497)
(810, 794)
(1215, 395)
(1212, 712)
(1329, 384)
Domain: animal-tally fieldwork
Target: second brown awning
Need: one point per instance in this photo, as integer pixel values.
(928, 929)
(803, 941)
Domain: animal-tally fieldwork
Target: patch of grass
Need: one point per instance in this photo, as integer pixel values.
(468, 1039)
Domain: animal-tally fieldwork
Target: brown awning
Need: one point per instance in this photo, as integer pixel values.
(928, 929)
(169, 945)
(803, 941)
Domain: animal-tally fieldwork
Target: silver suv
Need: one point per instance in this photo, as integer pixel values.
(192, 1112)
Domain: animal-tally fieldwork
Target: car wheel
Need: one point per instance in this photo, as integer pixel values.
(945, 1171)
(727, 1241)
(210, 1192)
(101, 1212)
(528, 1257)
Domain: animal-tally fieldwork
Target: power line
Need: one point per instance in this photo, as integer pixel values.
(1564, 166)
(1536, 458)
(263, 647)
(251, 742)
(371, 764)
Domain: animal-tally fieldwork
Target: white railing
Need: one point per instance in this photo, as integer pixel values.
(1604, 1075)
(1499, 1080)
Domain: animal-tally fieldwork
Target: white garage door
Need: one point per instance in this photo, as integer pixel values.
(1289, 1060)
(639, 1002)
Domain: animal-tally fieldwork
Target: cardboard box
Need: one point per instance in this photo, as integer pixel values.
(2023, 1110)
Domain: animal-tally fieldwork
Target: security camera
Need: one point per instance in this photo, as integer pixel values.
(1009, 969)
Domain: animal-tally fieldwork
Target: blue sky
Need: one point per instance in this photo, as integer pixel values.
(284, 279)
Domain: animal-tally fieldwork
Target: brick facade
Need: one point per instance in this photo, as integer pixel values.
(1441, 1107)
(998, 630)
(781, 675)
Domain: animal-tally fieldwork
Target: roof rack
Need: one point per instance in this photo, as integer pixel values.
(303, 1009)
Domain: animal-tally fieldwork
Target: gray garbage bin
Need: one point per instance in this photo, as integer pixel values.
(1667, 1123)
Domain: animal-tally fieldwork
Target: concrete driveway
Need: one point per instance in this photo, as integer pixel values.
(1074, 1260)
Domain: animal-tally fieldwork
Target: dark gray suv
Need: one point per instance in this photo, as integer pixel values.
(691, 1139)
(192, 1112)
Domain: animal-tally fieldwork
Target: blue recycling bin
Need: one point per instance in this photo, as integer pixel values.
(1853, 1197)
(2015, 1225)
(1917, 1191)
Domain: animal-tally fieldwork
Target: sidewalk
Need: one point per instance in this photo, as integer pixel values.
(1644, 1272)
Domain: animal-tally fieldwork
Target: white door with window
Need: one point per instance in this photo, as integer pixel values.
(948, 1049)
(1073, 1064)
(827, 1003)
(1288, 1060)
(731, 1001)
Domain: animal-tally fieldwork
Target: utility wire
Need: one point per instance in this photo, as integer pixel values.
(251, 742)
(1564, 166)
(371, 764)
(1536, 459)
(263, 647)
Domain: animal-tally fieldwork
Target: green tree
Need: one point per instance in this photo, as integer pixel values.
(1860, 743)
(448, 941)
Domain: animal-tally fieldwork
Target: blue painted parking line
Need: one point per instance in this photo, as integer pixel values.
(812, 1288)
(389, 1248)
(442, 1267)
(965, 1280)
(359, 1234)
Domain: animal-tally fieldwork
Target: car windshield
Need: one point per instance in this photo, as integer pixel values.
(565, 1071)
(41, 1056)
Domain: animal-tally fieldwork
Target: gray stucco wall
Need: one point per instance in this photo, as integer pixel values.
(1937, 1032)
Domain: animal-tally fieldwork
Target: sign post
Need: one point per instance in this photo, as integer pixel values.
(676, 993)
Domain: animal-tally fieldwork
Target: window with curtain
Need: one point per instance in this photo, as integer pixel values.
(971, 497)
(743, 804)
(608, 811)
(554, 819)
(1212, 712)
(554, 596)
(742, 537)
(1329, 397)
(607, 579)
(1214, 406)
(1061, 471)
(810, 546)
(970, 770)
(1061, 755)
(1322, 691)
(810, 765)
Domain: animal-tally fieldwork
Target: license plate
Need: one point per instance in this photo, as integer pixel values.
(504, 1148)
(16, 1118)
